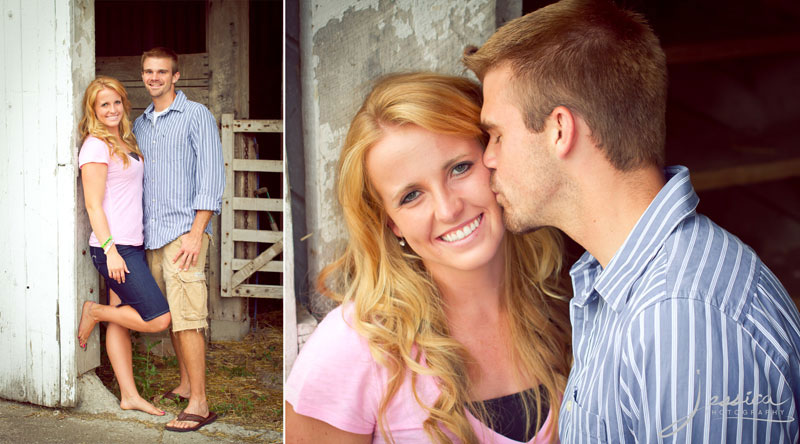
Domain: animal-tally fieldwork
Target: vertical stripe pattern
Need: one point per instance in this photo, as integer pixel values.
(685, 337)
(183, 168)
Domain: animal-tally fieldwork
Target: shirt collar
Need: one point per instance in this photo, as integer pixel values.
(177, 105)
(675, 202)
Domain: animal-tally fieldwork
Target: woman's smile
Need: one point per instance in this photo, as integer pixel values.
(463, 231)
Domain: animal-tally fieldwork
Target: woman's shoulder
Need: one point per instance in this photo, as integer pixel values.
(334, 378)
(336, 336)
(93, 142)
(93, 150)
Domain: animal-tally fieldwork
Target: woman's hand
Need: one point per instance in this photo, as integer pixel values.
(116, 266)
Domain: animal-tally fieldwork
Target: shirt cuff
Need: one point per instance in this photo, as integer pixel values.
(206, 202)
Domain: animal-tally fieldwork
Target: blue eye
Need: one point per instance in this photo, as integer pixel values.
(462, 168)
(409, 197)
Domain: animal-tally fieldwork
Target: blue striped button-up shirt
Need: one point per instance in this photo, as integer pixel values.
(183, 169)
(685, 336)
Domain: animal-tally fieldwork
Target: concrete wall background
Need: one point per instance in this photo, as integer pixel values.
(345, 45)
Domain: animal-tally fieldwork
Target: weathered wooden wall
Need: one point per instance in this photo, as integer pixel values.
(46, 48)
(127, 69)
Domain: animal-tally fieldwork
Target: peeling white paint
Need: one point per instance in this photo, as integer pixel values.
(326, 10)
(402, 29)
(345, 45)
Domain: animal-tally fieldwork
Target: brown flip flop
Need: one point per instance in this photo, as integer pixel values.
(172, 396)
(183, 416)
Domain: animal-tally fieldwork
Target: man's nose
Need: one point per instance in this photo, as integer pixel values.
(489, 156)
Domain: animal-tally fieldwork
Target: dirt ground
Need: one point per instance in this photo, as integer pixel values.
(244, 379)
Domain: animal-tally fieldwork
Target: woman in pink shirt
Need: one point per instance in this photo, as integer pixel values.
(451, 329)
(111, 173)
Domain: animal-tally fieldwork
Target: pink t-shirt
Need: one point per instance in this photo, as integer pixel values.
(335, 379)
(122, 201)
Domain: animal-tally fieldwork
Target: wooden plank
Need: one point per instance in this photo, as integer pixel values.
(39, 221)
(731, 49)
(257, 204)
(245, 183)
(13, 323)
(271, 266)
(263, 236)
(258, 165)
(227, 28)
(226, 216)
(129, 68)
(258, 126)
(745, 174)
(259, 291)
(140, 98)
(265, 256)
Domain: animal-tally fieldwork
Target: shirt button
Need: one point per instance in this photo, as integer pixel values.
(569, 406)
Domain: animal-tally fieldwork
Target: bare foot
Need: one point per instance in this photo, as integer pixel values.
(87, 324)
(139, 403)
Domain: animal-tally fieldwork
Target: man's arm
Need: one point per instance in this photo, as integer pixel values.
(690, 373)
(209, 184)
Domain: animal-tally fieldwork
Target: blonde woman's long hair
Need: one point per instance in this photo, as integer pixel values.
(396, 305)
(90, 125)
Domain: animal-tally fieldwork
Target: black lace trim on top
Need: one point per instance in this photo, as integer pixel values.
(507, 415)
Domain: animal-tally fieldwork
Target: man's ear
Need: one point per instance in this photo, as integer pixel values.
(176, 77)
(564, 131)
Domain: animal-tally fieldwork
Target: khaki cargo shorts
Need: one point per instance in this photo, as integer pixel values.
(186, 291)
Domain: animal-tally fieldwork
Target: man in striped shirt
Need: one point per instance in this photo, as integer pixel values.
(183, 181)
(680, 332)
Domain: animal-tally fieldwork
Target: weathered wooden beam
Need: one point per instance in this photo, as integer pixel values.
(271, 266)
(745, 174)
(129, 68)
(262, 166)
(266, 256)
(263, 236)
(259, 291)
(258, 126)
(257, 204)
(226, 248)
(227, 43)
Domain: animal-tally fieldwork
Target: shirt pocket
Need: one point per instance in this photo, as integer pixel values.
(585, 425)
(178, 149)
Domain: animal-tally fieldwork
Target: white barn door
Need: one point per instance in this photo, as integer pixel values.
(47, 53)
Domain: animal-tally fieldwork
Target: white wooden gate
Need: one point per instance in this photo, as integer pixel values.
(235, 271)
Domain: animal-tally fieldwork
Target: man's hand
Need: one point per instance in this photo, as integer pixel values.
(190, 250)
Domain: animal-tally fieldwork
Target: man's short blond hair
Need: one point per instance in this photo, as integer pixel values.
(603, 63)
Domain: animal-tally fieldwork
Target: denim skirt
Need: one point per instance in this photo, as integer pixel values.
(139, 290)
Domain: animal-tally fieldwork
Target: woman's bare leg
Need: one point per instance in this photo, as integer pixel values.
(118, 347)
(125, 316)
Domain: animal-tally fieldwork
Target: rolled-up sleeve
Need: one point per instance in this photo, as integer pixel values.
(210, 178)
